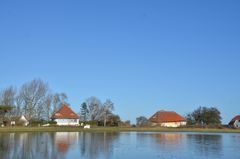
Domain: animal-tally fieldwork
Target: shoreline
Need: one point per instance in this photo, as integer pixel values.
(113, 129)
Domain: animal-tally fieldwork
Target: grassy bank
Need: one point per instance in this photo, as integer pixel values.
(113, 129)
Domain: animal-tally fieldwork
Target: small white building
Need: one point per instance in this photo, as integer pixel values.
(22, 120)
(65, 116)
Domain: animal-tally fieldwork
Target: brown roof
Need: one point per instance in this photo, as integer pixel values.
(65, 112)
(166, 116)
(63, 147)
(234, 119)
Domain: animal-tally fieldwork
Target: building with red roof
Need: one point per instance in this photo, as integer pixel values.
(235, 122)
(167, 119)
(66, 116)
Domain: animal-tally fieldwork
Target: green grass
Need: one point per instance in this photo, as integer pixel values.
(114, 129)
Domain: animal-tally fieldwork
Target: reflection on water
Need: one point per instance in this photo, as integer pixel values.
(93, 145)
(169, 141)
(55, 145)
(163, 141)
(205, 144)
(64, 140)
(63, 145)
(24, 145)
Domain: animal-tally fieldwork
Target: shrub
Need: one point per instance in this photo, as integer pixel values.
(35, 122)
(92, 123)
(52, 123)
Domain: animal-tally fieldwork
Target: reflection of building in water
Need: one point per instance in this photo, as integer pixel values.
(168, 138)
(168, 141)
(36, 145)
(64, 140)
(26, 146)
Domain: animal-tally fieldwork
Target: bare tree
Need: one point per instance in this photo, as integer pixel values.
(94, 107)
(48, 106)
(58, 99)
(19, 104)
(33, 100)
(33, 95)
(7, 96)
(96, 111)
(106, 110)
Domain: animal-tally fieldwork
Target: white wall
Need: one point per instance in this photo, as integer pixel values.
(65, 122)
(237, 124)
(174, 124)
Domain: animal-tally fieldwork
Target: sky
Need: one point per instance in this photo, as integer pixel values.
(144, 55)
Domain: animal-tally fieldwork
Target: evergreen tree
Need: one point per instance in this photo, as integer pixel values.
(84, 111)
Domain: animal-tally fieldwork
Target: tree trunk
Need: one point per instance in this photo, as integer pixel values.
(105, 121)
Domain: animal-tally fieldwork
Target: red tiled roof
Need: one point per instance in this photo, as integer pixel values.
(65, 112)
(234, 119)
(63, 147)
(166, 116)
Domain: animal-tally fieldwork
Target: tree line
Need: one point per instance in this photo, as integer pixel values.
(34, 99)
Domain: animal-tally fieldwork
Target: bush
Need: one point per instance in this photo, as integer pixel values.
(126, 124)
(211, 126)
(52, 123)
(92, 123)
(35, 122)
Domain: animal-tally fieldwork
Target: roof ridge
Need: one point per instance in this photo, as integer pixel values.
(166, 111)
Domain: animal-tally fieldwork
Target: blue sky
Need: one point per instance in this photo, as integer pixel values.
(143, 55)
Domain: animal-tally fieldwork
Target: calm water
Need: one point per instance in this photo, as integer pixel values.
(74, 145)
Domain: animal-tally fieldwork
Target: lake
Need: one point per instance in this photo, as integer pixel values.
(129, 145)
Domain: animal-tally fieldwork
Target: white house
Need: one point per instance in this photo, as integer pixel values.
(167, 119)
(235, 122)
(65, 116)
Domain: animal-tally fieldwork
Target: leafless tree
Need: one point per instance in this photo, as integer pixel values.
(19, 105)
(7, 96)
(33, 95)
(48, 106)
(106, 110)
(58, 99)
(98, 111)
(34, 100)
(94, 107)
